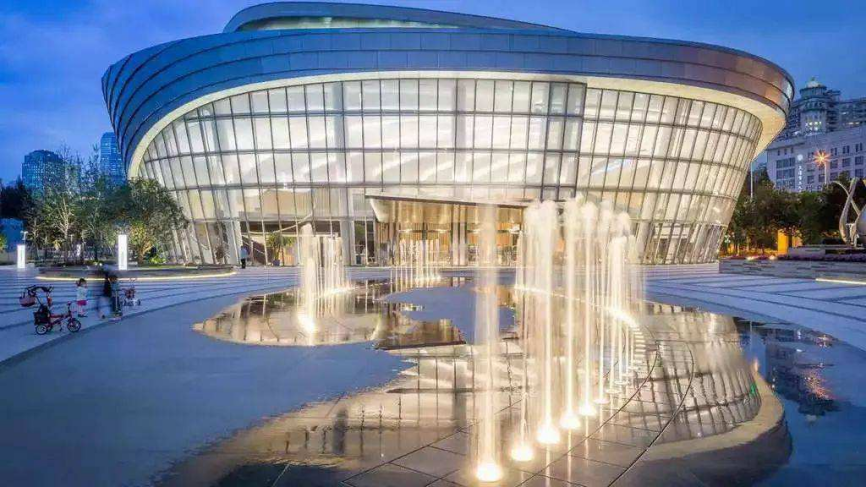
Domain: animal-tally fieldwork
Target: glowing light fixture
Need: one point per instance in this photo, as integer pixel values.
(548, 435)
(821, 158)
(488, 472)
(522, 453)
(22, 256)
(569, 421)
(122, 252)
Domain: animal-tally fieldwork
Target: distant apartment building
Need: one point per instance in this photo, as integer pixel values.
(43, 168)
(824, 137)
(806, 163)
(110, 161)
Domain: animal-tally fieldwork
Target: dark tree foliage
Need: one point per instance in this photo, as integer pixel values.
(15, 201)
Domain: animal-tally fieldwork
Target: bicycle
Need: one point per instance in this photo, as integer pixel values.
(47, 321)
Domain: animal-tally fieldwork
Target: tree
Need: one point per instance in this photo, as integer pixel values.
(97, 211)
(55, 218)
(149, 213)
(15, 201)
(812, 224)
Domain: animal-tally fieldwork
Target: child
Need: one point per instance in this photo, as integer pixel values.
(81, 296)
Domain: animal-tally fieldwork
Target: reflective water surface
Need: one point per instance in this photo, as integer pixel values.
(705, 414)
(359, 315)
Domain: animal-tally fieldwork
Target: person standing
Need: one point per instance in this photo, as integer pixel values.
(116, 305)
(244, 255)
(105, 297)
(81, 297)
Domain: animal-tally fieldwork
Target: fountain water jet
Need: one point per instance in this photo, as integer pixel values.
(323, 274)
(487, 347)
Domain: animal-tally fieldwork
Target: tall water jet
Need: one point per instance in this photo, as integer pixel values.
(417, 263)
(587, 222)
(521, 450)
(569, 419)
(601, 240)
(487, 347)
(323, 273)
(542, 233)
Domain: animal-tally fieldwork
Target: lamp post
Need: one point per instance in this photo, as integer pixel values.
(122, 252)
(21, 250)
(22, 256)
(823, 160)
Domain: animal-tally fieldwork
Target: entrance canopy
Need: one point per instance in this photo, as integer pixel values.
(439, 206)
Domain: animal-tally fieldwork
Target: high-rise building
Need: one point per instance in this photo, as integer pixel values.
(386, 125)
(110, 161)
(819, 110)
(42, 169)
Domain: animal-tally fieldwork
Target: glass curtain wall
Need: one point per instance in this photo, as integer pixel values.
(252, 168)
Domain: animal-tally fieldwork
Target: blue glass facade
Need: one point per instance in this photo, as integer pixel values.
(298, 112)
(42, 169)
(110, 162)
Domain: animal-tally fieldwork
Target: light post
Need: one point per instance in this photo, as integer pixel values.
(122, 252)
(822, 159)
(21, 250)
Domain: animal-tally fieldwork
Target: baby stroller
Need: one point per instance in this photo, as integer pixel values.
(42, 317)
(127, 295)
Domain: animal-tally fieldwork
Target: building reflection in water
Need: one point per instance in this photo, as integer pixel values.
(701, 386)
(359, 315)
(796, 360)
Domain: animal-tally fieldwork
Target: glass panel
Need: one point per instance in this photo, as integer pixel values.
(315, 98)
(540, 93)
(319, 167)
(557, 98)
(408, 131)
(445, 167)
(241, 104)
(408, 94)
(263, 133)
(333, 97)
(521, 96)
(355, 167)
(277, 100)
(301, 167)
(390, 94)
(260, 102)
(371, 94)
(351, 95)
(575, 99)
(427, 94)
(244, 133)
(283, 168)
(502, 98)
(484, 95)
(296, 96)
(466, 95)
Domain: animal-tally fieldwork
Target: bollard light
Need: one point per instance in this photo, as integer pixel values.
(22, 256)
(122, 256)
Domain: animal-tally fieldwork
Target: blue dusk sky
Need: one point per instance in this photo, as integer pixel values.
(53, 53)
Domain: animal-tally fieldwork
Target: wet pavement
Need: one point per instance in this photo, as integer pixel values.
(704, 413)
(721, 401)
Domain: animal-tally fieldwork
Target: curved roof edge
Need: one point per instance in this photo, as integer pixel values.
(272, 10)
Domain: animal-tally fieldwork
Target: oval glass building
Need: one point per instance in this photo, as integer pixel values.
(384, 124)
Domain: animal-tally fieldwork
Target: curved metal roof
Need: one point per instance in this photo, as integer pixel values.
(146, 87)
(274, 10)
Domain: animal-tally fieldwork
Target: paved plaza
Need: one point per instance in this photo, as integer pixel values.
(149, 401)
(835, 308)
